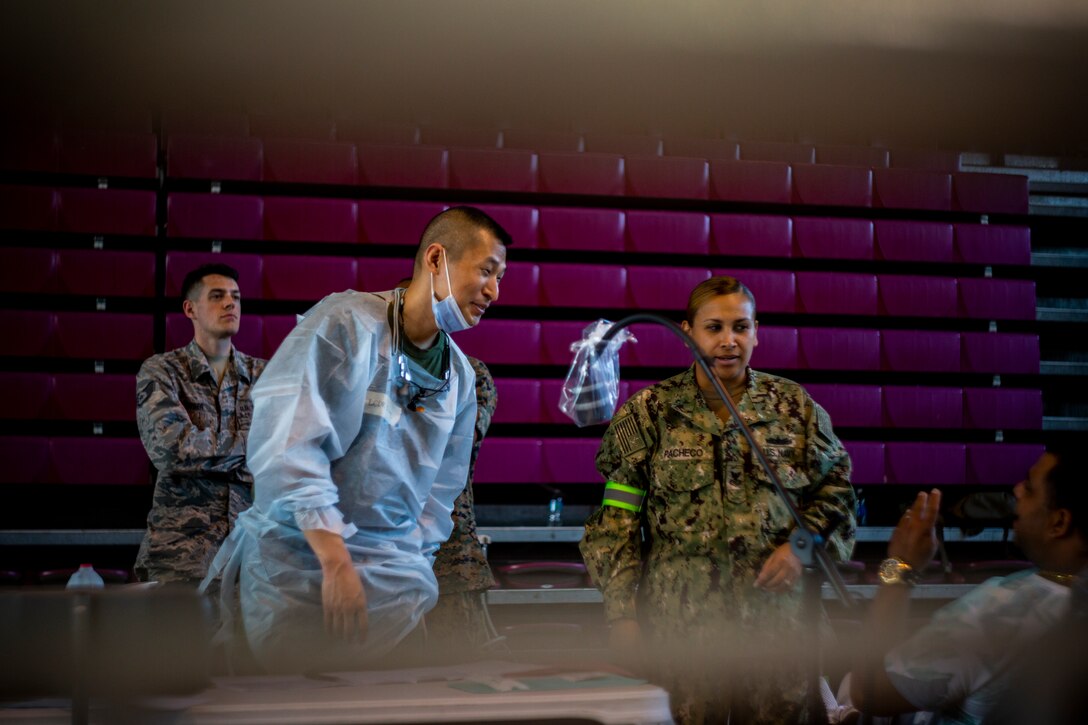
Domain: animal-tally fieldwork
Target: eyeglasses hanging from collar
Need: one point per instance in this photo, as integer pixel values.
(404, 380)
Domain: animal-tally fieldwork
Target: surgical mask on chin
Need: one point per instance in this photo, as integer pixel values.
(447, 315)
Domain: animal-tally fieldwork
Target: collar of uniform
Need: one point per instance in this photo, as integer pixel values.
(198, 362)
(755, 407)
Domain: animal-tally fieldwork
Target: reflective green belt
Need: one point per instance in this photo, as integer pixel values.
(624, 497)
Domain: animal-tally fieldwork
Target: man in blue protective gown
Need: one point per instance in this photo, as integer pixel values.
(362, 430)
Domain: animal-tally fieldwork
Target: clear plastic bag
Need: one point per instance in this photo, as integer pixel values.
(591, 390)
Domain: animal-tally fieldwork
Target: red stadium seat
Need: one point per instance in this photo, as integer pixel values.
(32, 208)
(751, 235)
(570, 460)
(1001, 464)
(27, 333)
(997, 299)
(460, 137)
(29, 149)
(101, 398)
(214, 216)
(519, 401)
(914, 406)
(590, 229)
(869, 157)
(310, 162)
(584, 173)
(774, 290)
(520, 222)
(296, 277)
(550, 395)
(993, 244)
(912, 189)
(540, 141)
(395, 222)
(778, 349)
(109, 154)
(920, 350)
(655, 347)
(671, 232)
(493, 169)
(583, 285)
(27, 270)
(520, 285)
(1003, 408)
(98, 460)
(1000, 193)
(913, 296)
(510, 460)
(275, 329)
(755, 181)
(788, 153)
(662, 288)
(903, 241)
(623, 144)
(26, 459)
(867, 461)
(831, 348)
(404, 166)
(248, 266)
(377, 274)
(556, 338)
(702, 148)
(997, 352)
(833, 238)
(503, 342)
(25, 396)
(105, 335)
(215, 158)
(674, 177)
(925, 464)
(179, 332)
(837, 293)
(850, 406)
(310, 220)
(106, 211)
(826, 185)
(105, 273)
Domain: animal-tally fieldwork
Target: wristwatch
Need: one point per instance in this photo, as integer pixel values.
(897, 571)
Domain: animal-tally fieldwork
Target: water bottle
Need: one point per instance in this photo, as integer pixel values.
(555, 512)
(861, 511)
(85, 578)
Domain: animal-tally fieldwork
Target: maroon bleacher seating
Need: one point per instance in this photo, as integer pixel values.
(857, 406)
(775, 290)
(248, 266)
(520, 222)
(214, 216)
(203, 122)
(997, 352)
(590, 229)
(997, 299)
(751, 235)
(27, 269)
(570, 460)
(925, 464)
(912, 189)
(31, 208)
(916, 406)
(827, 185)
(108, 154)
(86, 396)
(377, 274)
(98, 460)
(215, 158)
(999, 408)
(1002, 193)
(550, 394)
(673, 177)
(903, 240)
(297, 277)
(520, 285)
(843, 155)
(106, 211)
(1000, 463)
(509, 460)
(841, 293)
(519, 401)
(623, 144)
(993, 244)
(105, 273)
(584, 173)
(501, 342)
(179, 332)
(311, 220)
(269, 125)
(310, 162)
(788, 153)
(583, 285)
(363, 131)
(914, 296)
(26, 459)
(395, 222)
(460, 137)
(29, 149)
(779, 348)
(556, 338)
(104, 335)
(920, 350)
(25, 396)
(867, 461)
(656, 347)
(493, 169)
(561, 141)
(27, 332)
(670, 232)
(706, 148)
(833, 238)
(274, 329)
(755, 181)
(403, 166)
(831, 348)
(662, 288)
(927, 159)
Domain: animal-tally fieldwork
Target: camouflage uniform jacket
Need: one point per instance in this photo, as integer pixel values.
(460, 564)
(710, 514)
(195, 432)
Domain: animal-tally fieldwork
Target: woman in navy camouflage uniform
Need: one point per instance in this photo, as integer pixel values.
(690, 547)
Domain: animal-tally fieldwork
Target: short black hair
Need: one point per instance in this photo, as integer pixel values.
(1065, 483)
(448, 228)
(194, 279)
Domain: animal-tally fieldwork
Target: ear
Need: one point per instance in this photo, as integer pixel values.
(188, 308)
(1060, 523)
(432, 258)
(755, 333)
(685, 327)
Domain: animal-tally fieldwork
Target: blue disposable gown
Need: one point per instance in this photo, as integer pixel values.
(333, 446)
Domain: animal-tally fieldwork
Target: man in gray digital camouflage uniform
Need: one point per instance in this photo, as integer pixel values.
(193, 410)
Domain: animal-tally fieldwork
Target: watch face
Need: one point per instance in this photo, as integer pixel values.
(891, 571)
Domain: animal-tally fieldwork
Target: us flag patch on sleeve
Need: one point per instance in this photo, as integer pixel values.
(628, 435)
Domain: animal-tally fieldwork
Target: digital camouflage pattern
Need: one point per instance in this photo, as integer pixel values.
(711, 518)
(195, 432)
(461, 564)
